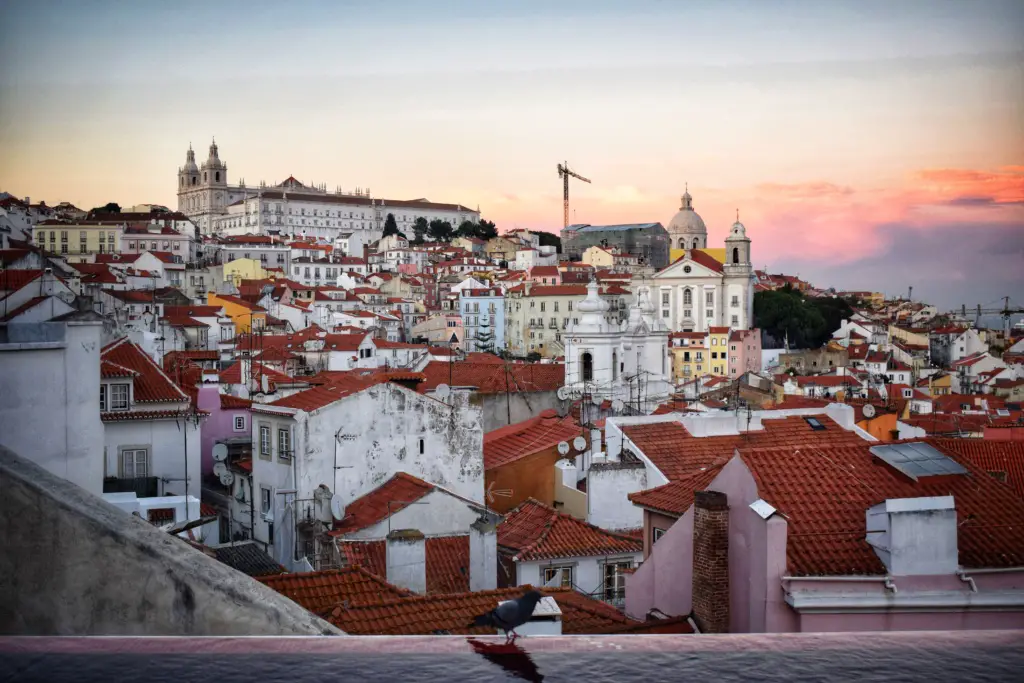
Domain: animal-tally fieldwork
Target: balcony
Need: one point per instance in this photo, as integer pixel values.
(143, 487)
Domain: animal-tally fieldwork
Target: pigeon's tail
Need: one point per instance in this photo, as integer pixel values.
(482, 620)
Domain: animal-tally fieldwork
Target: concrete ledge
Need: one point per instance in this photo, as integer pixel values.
(74, 565)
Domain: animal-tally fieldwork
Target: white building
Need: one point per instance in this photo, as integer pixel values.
(352, 435)
(294, 208)
(629, 363)
(698, 291)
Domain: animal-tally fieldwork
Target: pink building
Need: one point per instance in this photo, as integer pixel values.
(826, 535)
(744, 352)
(545, 275)
(230, 420)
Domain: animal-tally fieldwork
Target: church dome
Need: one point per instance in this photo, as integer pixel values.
(687, 221)
(593, 303)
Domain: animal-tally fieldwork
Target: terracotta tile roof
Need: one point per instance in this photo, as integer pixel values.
(824, 492)
(534, 531)
(195, 354)
(318, 591)
(791, 402)
(512, 442)
(130, 415)
(181, 321)
(13, 280)
(702, 258)
(490, 378)
(229, 402)
(322, 396)
(248, 558)
(274, 354)
(238, 301)
(677, 454)
(447, 560)
(194, 311)
(427, 615)
(373, 507)
(150, 384)
(676, 497)
(1002, 459)
(718, 330)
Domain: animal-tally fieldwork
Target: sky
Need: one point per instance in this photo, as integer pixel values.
(865, 144)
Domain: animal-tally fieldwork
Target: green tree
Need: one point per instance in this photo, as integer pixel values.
(440, 231)
(785, 314)
(485, 230)
(109, 207)
(419, 229)
(390, 225)
(466, 229)
(548, 239)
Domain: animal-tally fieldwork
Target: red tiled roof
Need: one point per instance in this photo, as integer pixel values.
(193, 311)
(233, 374)
(239, 302)
(512, 442)
(319, 591)
(677, 454)
(322, 396)
(1003, 459)
(676, 497)
(535, 531)
(791, 402)
(825, 491)
(491, 378)
(13, 280)
(426, 615)
(398, 491)
(130, 415)
(229, 402)
(718, 330)
(702, 258)
(150, 384)
(447, 560)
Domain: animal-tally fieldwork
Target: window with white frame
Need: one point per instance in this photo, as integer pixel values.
(134, 463)
(284, 443)
(566, 579)
(119, 396)
(265, 441)
(264, 499)
(615, 579)
(656, 534)
(239, 423)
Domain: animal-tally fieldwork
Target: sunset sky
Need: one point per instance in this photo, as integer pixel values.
(868, 145)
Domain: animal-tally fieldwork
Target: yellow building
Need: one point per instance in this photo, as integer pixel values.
(79, 242)
(689, 355)
(598, 257)
(244, 269)
(246, 316)
(718, 253)
(718, 351)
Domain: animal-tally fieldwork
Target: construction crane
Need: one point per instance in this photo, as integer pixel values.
(564, 172)
(1005, 312)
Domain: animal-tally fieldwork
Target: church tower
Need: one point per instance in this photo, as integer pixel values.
(739, 278)
(188, 179)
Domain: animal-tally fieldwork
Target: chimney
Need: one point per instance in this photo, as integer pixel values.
(915, 535)
(711, 561)
(483, 555)
(407, 559)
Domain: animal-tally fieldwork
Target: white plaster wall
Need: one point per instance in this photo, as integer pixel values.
(606, 495)
(435, 514)
(407, 564)
(588, 572)
(166, 441)
(50, 412)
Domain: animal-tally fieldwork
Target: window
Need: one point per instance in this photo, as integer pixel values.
(709, 299)
(735, 255)
(264, 499)
(119, 397)
(815, 424)
(134, 463)
(284, 443)
(570, 305)
(615, 579)
(550, 574)
(265, 441)
(587, 365)
(656, 534)
(687, 298)
(714, 355)
(664, 298)
(422, 446)
(160, 516)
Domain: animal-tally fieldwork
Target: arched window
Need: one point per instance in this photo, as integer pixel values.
(615, 364)
(695, 243)
(204, 176)
(194, 179)
(682, 243)
(216, 176)
(181, 182)
(735, 254)
(587, 363)
(687, 297)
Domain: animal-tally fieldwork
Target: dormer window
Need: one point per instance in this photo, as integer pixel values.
(114, 397)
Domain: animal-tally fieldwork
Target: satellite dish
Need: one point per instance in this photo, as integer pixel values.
(219, 468)
(563, 448)
(442, 391)
(337, 507)
(226, 477)
(618, 405)
(563, 393)
(869, 411)
(220, 452)
(579, 443)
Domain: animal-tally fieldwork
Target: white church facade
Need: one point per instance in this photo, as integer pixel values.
(704, 287)
(293, 208)
(627, 364)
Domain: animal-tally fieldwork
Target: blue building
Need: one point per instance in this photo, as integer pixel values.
(483, 319)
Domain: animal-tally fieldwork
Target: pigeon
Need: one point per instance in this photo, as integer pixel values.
(510, 614)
